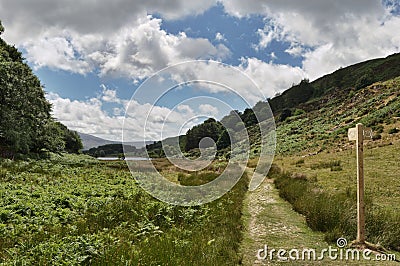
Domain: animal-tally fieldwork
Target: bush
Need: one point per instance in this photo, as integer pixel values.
(376, 137)
(393, 130)
(298, 112)
(299, 162)
(333, 165)
(285, 114)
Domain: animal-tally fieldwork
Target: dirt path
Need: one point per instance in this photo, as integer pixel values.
(271, 221)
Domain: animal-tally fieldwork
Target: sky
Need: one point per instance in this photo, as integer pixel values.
(95, 59)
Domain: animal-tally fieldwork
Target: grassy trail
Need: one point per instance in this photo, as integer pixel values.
(270, 220)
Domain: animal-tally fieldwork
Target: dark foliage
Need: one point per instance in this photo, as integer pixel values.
(26, 125)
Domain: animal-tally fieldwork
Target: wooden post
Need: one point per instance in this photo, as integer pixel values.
(360, 184)
(359, 134)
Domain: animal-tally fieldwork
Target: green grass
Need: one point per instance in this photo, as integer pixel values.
(328, 198)
(324, 126)
(72, 210)
(381, 165)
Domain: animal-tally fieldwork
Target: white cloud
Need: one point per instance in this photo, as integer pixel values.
(55, 52)
(328, 34)
(89, 116)
(220, 37)
(295, 50)
(208, 109)
(185, 108)
(109, 95)
(117, 38)
(267, 35)
(271, 78)
(25, 19)
(86, 117)
(134, 51)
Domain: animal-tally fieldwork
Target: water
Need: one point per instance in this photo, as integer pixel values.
(126, 159)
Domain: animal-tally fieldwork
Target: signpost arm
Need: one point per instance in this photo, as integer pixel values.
(360, 184)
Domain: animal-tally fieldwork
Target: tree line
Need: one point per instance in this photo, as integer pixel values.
(219, 131)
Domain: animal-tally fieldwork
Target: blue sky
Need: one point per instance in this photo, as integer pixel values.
(92, 58)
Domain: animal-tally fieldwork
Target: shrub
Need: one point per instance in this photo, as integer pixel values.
(393, 130)
(332, 165)
(376, 137)
(298, 112)
(299, 162)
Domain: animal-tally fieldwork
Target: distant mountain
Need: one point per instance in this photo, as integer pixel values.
(90, 141)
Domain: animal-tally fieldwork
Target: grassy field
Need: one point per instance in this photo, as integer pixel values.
(337, 171)
(323, 188)
(72, 210)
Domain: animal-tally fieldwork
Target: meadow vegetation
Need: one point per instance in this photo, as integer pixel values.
(72, 209)
(335, 213)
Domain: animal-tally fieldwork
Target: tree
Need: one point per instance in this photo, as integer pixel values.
(73, 142)
(26, 124)
(224, 140)
(365, 80)
(50, 139)
(249, 118)
(285, 114)
(210, 128)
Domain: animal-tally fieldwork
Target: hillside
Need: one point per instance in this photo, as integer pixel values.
(90, 141)
(326, 121)
(355, 76)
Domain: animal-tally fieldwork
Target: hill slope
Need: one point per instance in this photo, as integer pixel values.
(327, 120)
(90, 141)
(355, 76)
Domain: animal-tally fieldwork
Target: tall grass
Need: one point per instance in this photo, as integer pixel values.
(335, 213)
(72, 211)
(333, 165)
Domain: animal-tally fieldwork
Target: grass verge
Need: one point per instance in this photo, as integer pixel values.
(335, 213)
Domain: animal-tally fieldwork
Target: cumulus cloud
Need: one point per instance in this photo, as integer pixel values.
(271, 78)
(90, 117)
(86, 117)
(328, 34)
(253, 80)
(208, 109)
(269, 33)
(119, 39)
(109, 95)
(25, 19)
(133, 52)
(55, 52)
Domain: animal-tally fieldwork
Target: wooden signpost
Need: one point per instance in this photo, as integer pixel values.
(359, 134)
